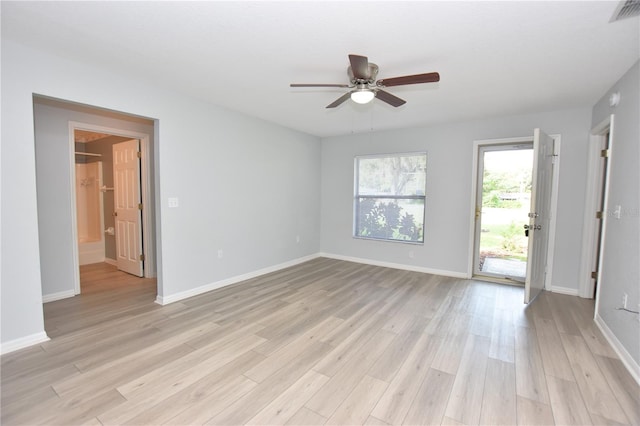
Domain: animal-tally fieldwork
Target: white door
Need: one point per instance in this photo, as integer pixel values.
(128, 217)
(540, 215)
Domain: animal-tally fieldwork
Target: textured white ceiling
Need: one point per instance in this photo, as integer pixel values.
(494, 58)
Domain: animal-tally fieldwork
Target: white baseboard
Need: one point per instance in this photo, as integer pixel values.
(625, 357)
(57, 296)
(23, 342)
(110, 261)
(413, 268)
(564, 290)
(165, 300)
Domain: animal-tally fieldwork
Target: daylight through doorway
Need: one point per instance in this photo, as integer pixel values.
(503, 202)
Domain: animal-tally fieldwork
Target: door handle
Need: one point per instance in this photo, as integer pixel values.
(528, 228)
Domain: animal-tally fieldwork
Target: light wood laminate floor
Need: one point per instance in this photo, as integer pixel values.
(324, 342)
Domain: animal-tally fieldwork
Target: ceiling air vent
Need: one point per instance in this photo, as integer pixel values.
(626, 9)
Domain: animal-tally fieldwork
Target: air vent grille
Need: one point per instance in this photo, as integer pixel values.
(626, 9)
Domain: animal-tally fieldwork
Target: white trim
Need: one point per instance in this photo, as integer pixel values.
(165, 300)
(553, 207)
(474, 191)
(597, 134)
(23, 342)
(404, 267)
(46, 298)
(564, 290)
(625, 357)
(148, 212)
(110, 261)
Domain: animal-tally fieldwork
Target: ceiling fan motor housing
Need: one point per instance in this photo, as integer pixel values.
(373, 73)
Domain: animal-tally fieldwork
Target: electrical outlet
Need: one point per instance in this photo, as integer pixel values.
(625, 298)
(297, 239)
(411, 254)
(220, 254)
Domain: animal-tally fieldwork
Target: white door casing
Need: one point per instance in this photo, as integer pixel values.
(540, 214)
(128, 217)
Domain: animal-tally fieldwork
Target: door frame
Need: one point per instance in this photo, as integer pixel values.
(597, 135)
(477, 144)
(148, 233)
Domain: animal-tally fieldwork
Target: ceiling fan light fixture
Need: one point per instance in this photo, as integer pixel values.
(362, 96)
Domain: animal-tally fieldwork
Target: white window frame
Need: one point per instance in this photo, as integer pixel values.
(358, 196)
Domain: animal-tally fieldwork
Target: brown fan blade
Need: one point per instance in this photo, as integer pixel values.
(340, 100)
(360, 67)
(318, 85)
(430, 77)
(387, 97)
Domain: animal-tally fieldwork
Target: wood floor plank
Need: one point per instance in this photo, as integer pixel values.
(499, 396)
(322, 342)
(306, 417)
(449, 354)
(391, 360)
(465, 402)
(397, 399)
(624, 387)
(281, 358)
(561, 308)
(199, 412)
(554, 358)
(503, 336)
(531, 381)
(356, 407)
(76, 410)
(430, 402)
(595, 390)
(227, 379)
(533, 413)
(342, 383)
(285, 406)
(251, 403)
(567, 404)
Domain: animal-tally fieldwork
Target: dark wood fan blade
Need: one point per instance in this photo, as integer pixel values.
(318, 85)
(430, 77)
(360, 67)
(340, 100)
(387, 97)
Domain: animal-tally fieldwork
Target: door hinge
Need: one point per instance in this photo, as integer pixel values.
(142, 257)
(598, 215)
(604, 153)
(594, 274)
(139, 206)
(139, 154)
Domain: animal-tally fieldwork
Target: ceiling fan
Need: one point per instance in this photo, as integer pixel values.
(362, 77)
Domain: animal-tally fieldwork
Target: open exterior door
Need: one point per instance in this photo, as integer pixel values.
(126, 176)
(540, 214)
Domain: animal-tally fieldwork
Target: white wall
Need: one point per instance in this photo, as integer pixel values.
(448, 205)
(51, 121)
(620, 271)
(245, 186)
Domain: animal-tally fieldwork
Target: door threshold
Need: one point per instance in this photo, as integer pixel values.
(498, 280)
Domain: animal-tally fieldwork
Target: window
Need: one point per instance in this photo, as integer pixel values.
(390, 197)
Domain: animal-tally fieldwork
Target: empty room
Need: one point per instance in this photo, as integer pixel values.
(320, 212)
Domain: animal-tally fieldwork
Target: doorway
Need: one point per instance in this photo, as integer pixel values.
(102, 143)
(596, 205)
(503, 197)
(515, 190)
